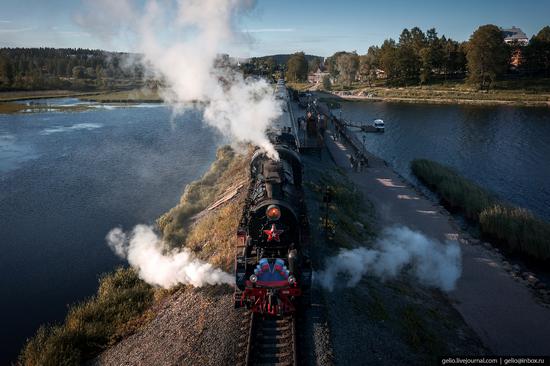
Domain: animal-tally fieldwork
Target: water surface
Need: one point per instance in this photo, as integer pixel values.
(504, 149)
(66, 179)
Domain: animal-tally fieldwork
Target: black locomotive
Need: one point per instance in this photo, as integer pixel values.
(271, 267)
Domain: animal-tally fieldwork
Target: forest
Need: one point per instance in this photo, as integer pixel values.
(66, 68)
(417, 58)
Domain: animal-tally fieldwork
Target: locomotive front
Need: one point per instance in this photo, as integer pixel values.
(270, 268)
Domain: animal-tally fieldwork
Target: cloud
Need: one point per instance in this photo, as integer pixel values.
(15, 30)
(267, 30)
(74, 34)
(5, 21)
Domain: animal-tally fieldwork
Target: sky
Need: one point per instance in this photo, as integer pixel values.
(285, 26)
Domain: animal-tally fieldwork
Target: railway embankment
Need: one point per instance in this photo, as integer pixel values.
(130, 321)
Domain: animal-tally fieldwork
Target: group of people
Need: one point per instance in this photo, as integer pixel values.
(358, 162)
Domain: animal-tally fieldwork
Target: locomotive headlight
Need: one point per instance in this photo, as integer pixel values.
(253, 278)
(273, 212)
(291, 280)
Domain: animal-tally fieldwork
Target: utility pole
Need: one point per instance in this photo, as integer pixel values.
(327, 198)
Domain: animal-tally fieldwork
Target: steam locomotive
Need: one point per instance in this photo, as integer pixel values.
(272, 271)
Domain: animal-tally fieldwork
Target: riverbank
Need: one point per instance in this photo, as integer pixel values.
(420, 96)
(516, 229)
(125, 304)
(43, 94)
(523, 92)
(491, 295)
(10, 102)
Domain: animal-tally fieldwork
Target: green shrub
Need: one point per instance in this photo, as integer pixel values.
(92, 325)
(517, 229)
(455, 191)
(198, 195)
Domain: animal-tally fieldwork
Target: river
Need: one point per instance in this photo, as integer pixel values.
(66, 179)
(504, 149)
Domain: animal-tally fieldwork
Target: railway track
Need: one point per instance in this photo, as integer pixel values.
(270, 341)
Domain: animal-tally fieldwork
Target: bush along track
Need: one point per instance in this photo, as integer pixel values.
(516, 229)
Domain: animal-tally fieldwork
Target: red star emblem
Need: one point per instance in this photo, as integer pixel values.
(273, 234)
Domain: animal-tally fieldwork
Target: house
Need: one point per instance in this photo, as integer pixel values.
(514, 35)
(317, 76)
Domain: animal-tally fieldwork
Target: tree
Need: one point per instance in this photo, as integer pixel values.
(7, 74)
(453, 57)
(314, 64)
(326, 83)
(368, 64)
(408, 53)
(388, 59)
(78, 72)
(537, 54)
(270, 65)
(488, 55)
(347, 65)
(297, 67)
(330, 64)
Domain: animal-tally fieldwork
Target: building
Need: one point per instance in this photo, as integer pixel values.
(317, 76)
(514, 35)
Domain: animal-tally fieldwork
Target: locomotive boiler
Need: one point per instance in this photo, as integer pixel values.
(272, 271)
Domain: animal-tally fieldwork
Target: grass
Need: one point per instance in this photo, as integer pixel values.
(130, 96)
(94, 324)
(517, 229)
(299, 86)
(518, 92)
(348, 217)
(227, 170)
(40, 94)
(124, 302)
(11, 107)
(418, 334)
(376, 308)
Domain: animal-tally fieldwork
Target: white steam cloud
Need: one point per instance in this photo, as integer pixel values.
(399, 249)
(181, 42)
(145, 252)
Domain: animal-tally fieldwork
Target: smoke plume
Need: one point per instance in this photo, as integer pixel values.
(181, 42)
(399, 249)
(145, 252)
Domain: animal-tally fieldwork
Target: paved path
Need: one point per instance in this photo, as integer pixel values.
(499, 309)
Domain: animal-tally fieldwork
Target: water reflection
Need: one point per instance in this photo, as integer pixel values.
(505, 149)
